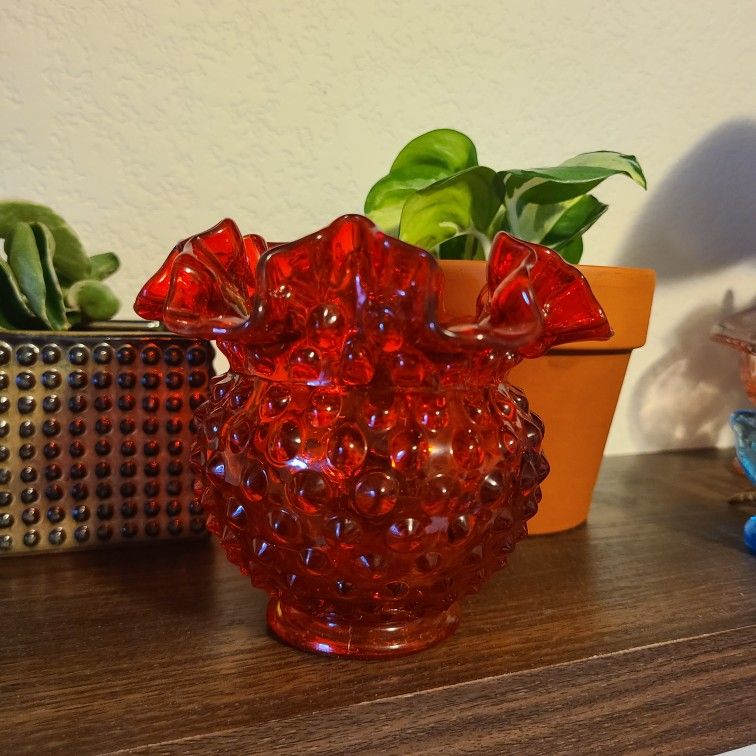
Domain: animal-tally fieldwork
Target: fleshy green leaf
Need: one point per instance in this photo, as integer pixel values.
(386, 199)
(445, 149)
(24, 260)
(464, 203)
(18, 211)
(5, 324)
(54, 305)
(70, 260)
(93, 299)
(13, 303)
(73, 315)
(104, 265)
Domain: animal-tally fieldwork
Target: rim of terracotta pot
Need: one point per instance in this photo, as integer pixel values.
(625, 294)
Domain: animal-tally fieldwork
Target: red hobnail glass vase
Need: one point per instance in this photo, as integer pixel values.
(364, 459)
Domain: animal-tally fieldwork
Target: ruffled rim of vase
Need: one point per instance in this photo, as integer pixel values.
(252, 295)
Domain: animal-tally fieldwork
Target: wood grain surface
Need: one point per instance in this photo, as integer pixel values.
(633, 633)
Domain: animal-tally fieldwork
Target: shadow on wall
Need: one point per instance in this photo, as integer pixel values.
(699, 220)
(701, 216)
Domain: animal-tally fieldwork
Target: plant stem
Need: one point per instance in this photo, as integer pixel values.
(469, 251)
(482, 239)
(497, 224)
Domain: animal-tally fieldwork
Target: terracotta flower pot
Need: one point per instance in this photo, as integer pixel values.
(573, 388)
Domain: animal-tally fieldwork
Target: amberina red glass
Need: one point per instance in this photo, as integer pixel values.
(364, 460)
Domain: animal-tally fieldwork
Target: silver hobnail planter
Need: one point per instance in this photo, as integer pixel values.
(95, 435)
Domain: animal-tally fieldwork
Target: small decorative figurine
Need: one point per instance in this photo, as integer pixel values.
(743, 423)
(749, 534)
(739, 332)
(364, 460)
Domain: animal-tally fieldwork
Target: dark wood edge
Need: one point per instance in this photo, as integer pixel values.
(693, 695)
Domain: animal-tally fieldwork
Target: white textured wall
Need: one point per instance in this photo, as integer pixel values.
(143, 121)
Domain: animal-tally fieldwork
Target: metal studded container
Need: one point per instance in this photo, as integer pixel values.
(95, 436)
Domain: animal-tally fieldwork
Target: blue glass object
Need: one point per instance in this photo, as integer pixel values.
(749, 534)
(743, 422)
(739, 332)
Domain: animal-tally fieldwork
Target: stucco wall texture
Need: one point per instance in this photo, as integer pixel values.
(142, 122)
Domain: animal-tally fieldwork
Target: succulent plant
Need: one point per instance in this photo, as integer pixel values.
(437, 196)
(47, 280)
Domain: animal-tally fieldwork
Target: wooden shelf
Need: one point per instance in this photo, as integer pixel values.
(637, 631)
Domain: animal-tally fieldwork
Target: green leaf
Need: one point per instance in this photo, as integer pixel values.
(453, 249)
(423, 161)
(573, 178)
(24, 260)
(54, 305)
(573, 251)
(467, 247)
(73, 314)
(104, 265)
(464, 203)
(556, 226)
(440, 199)
(5, 324)
(445, 149)
(70, 260)
(14, 307)
(386, 199)
(531, 223)
(93, 299)
(18, 211)
(615, 162)
(577, 217)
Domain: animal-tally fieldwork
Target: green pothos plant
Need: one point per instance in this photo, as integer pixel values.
(47, 280)
(438, 197)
